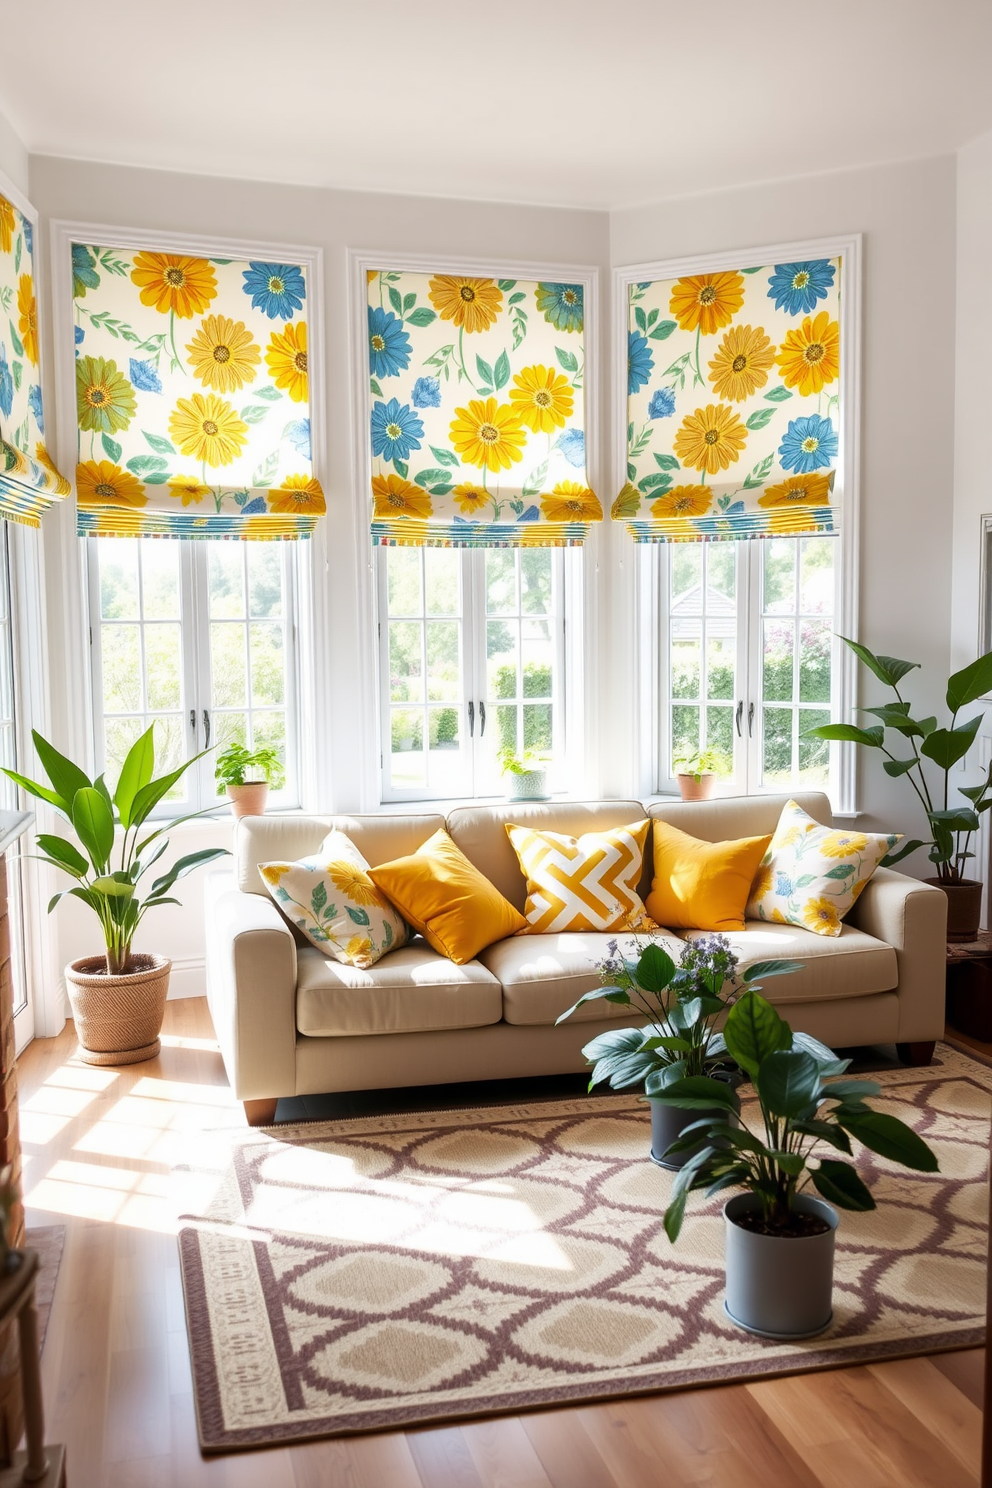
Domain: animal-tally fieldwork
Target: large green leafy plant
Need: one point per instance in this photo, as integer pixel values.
(681, 1002)
(800, 1112)
(92, 812)
(951, 826)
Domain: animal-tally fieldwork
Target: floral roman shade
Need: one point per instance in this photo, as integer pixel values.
(476, 411)
(193, 396)
(29, 482)
(733, 392)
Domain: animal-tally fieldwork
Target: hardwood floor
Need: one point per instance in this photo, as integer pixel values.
(98, 1145)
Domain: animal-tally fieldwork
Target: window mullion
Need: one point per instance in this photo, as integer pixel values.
(752, 688)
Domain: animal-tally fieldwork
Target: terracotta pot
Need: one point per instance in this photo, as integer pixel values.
(249, 799)
(118, 1018)
(697, 789)
(964, 907)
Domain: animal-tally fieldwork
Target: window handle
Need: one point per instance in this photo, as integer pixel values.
(471, 720)
(192, 720)
(482, 719)
(206, 729)
(750, 718)
(737, 718)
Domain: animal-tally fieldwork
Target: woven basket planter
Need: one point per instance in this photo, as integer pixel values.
(118, 1018)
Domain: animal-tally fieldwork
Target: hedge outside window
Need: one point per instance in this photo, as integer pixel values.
(733, 389)
(193, 396)
(476, 411)
(29, 481)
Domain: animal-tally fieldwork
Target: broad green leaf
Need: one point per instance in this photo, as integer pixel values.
(847, 1088)
(94, 824)
(66, 777)
(111, 888)
(699, 1093)
(846, 733)
(660, 1079)
(891, 1138)
(955, 819)
(186, 865)
(668, 1041)
(970, 683)
(611, 994)
(655, 969)
(63, 853)
(825, 1057)
(839, 1184)
(753, 1031)
(789, 1162)
(788, 1082)
(825, 1131)
(946, 746)
(41, 792)
(136, 771)
(898, 767)
(904, 851)
(765, 969)
(888, 669)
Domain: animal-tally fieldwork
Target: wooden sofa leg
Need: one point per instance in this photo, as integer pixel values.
(263, 1112)
(917, 1054)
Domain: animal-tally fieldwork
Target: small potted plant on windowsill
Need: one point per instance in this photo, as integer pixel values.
(697, 773)
(247, 774)
(525, 774)
(118, 999)
(780, 1240)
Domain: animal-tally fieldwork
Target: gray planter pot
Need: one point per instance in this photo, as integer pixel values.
(531, 785)
(669, 1122)
(780, 1288)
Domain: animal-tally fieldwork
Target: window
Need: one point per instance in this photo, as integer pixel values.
(748, 663)
(9, 792)
(471, 659)
(199, 638)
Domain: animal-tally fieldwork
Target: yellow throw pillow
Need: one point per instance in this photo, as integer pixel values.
(444, 896)
(582, 883)
(812, 875)
(702, 885)
(331, 898)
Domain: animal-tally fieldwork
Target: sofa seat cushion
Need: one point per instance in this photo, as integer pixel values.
(542, 975)
(851, 964)
(411, 990)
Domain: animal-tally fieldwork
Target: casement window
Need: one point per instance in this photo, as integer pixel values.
(199, 638)
(471, 662)
(23, 1020)
(747, 659)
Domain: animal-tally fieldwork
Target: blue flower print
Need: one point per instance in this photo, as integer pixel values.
(640, 361)
(796, 287)
(34, 403)
(561, 305)
(28, 236)
(6, 384)
(84, 274)
(396, 430)
(145, 376)
(783, 885)
(662, 404)
(389, 344)
(427, 393)
(573, 446)
(277, 290)
(809, 444)
(298, 434)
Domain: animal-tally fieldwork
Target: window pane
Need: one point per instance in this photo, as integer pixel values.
(814, 662)
(443, 679)
(443, 725)
(537, 655)
(537, 727)
(720, 735)
(163, 661)
(778, 660)
(269, 732)
(506, 728)
(777, 745)
(816, 571)
(702, 629)
(780, 575)
(119, 580)
(160, 580)
(687, 568)
(406, 680)
(501, 667)
(814, 754)
(403, 581)
(685, 732)
(721, 564)
(535, 581)
(407, 743)
(501, 581)
(797, 599)
(441, 581)
(226, 569)
(720, 665)
(121, 669)
(268, 666)
(119, 735)
(265, 583)
(685, 667)
(228, 666)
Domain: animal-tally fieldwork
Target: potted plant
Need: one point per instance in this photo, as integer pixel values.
(118, 999)
(525, 774)
(780, 1239)
(682, 1003)
(951, 826)
(247, 774)
(696, 773)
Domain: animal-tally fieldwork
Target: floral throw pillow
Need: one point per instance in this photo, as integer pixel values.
(331, 898)
(811, 875)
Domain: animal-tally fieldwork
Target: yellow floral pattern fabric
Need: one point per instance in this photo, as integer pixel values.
(29, 481)
(733, 398)
(476, 411)
(811, 875)
(582, 883)
(193, 397)
(331, 898)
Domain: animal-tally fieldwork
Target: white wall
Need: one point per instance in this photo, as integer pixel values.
(13, 156)
(906, 212)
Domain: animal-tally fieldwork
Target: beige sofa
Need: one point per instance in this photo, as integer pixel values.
(293, 1021)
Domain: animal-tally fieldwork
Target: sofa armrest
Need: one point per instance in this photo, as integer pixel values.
(251, 989)
(911, 917)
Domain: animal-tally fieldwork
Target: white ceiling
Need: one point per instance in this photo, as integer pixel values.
(597, 103)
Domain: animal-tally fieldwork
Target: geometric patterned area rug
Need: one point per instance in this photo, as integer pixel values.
(371, 1274)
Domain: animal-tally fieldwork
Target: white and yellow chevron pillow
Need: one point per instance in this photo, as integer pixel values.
(582, 883)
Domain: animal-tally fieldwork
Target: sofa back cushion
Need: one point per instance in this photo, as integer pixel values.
(737, 816)
(269, 839)
(480, 832)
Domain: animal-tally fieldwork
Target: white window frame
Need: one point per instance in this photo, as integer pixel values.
(644, 616)
(313, 706)
(196, 706)
(580, 606)
(473, 618)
